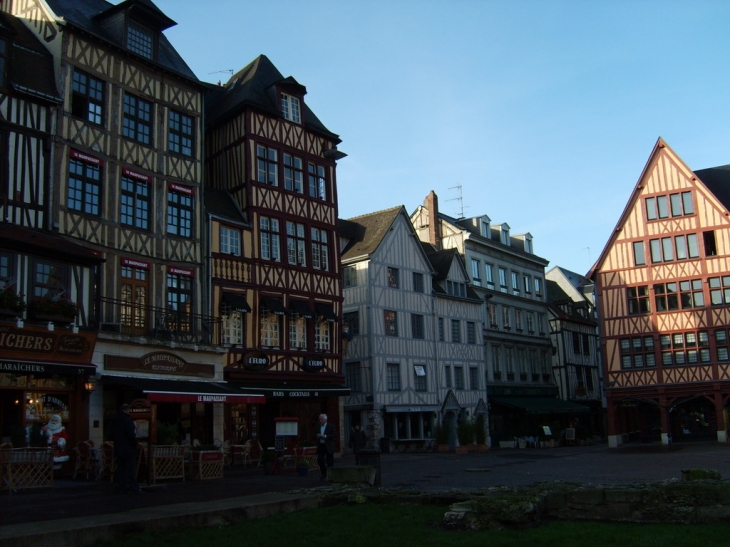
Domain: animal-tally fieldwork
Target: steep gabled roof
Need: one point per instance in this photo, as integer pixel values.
(717, 180)
(252, 87)
(441, 262)
(372, 230)
(221, 204)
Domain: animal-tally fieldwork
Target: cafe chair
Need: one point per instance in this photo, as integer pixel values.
(84, 459)
(226, 449)
(108, 463)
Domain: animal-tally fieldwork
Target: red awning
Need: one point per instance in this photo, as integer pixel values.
(181, 391)
(172, 397)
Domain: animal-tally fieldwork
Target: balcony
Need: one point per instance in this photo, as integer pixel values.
(121, 317)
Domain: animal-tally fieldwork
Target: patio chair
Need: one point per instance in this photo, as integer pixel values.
(84, 459)
(108, 463)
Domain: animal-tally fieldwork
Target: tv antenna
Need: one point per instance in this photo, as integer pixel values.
(228, 70)
(460, 199)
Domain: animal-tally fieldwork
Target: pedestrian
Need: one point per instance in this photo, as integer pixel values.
(358, 441)
(124, 436)
(325, 445)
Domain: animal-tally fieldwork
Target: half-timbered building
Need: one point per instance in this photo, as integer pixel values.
(663, 285)
(510, 278)
(127, 166)
(275, 160)
(45, 361)
(414, 357)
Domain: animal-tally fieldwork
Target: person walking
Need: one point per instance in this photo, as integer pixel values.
(358, 441)
(124, 436)
(325, 445)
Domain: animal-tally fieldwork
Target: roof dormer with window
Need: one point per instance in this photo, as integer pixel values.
(503, 232)
(290, 97)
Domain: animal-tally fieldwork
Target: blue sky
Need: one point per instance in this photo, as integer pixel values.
(543, 112)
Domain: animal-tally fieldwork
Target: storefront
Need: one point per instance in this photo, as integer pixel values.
(44, 373)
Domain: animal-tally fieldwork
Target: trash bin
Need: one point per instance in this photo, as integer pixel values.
(370, 456)
(385, 444)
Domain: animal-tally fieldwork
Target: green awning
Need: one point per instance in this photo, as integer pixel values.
(539, 405)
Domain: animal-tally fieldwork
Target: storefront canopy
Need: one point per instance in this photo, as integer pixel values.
(22, 366)
(540, 405)
(294, 390)
(180, 391)
(237, 302)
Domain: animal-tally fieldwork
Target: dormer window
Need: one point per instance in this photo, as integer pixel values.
(140, 40)
(290, 108)
(504, 234)
(485, 230)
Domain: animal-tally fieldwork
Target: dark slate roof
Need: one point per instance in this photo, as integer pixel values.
(221, 203)
(19, 238)
(554, 292)
(84, 14)
(252, 86)
(31, 64)
(369, 231)
(441, 263)
(717, 180)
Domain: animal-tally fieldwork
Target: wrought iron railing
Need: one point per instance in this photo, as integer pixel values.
(123, 317)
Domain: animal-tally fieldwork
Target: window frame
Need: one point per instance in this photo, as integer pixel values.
(320, 249)
(267, 165)
(137, 119)
(418, 326)
(230, 240)
(135, 200)
(393, 382)
(180, 141)
(269, 242)
(316, 181)
(88, 97)
(141, 40)
(180, 211)
(85, 177)
(291, 108)
(390, 323)
(296, 243)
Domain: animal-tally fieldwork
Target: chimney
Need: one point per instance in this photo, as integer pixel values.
(434, 226)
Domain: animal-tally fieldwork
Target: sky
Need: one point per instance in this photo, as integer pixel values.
(538, 113)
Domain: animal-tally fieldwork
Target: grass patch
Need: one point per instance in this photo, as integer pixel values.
(418, 526)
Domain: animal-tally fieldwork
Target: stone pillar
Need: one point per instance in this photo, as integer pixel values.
(614, 432)
(664, 419)
(720, 417)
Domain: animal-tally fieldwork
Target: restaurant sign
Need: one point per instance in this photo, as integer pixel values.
(256, 361)
(30, 342)
(313, 364)
(159, 362)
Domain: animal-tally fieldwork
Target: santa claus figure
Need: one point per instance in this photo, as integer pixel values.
(57, 438)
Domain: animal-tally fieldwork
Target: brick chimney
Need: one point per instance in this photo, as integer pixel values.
(434, 226)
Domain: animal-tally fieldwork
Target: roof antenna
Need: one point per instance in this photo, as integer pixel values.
(229, 70)
(460, 199)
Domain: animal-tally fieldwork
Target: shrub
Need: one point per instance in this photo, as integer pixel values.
(479, 430)
(465, 432)
(443, 432)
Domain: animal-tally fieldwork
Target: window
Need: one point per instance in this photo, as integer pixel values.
(269, 328)
(320, 249)
(316, 181)
(527, 284)
(473, 378)
(489, 271)
(322, 335)
(140, 40)
(293, 174)
(295, 244)
(137, 119)
(503, 280)
(492, 311)
(441, 329)
(638, 299)
(719, 290)
(418, 282)
(6, 269)
(297, 331)
(637, 352)
(349, 276)
(471, 332)
(485, 230)
(393, 277)
(135, 200)
(459, 378)
(352, 321)
(663, 250)
(659, 207)
(3, 61)
(687, 294)
(575, 337)
(530, 322)
(269, 228)
(267, 165)
(454, 288)
(722, 345)
(496, 363)
(180, 133)
(393, 376)
(84, 184)
(417, 326)
(689, 348)
(180, 211)
(231, 325)
(710, 243)
(538, 286)
(87, 97)
(230, 241)
(134, 289)
(290, 108)
(50, 280)
(639, 259)
(504, 234)
(541, 323)
(585, 339)
(391, 323)
(515, 283)
(456, 331)
(447, 375)
(506, 318)
(353, 375)
(518, 319)
(179, 300)
(475, 272)
(419, 378)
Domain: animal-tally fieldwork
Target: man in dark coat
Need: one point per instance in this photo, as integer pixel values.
(124, 436)
(325, 445)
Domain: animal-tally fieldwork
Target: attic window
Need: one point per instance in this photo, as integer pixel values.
(140, 40)
(290, 108)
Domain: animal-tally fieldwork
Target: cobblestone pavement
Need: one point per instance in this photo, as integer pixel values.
(430, 472)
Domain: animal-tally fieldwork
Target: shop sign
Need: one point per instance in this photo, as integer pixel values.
(37, 368)
(33, 342)
(159, 362)
(295, 394)
(313, 364)
(256, 361)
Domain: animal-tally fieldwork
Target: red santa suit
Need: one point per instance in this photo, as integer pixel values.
(57, 438)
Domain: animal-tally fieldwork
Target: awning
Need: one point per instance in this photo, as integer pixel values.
(539, 405)
(236, 302)
(302, 308)
(411, 408)
(290, 390)
(274, 306)
(325, 310)
(180, 391)
(21, 366)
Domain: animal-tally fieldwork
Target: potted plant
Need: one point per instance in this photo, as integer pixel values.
(58, 308)
(11, 302)
(443, 432)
